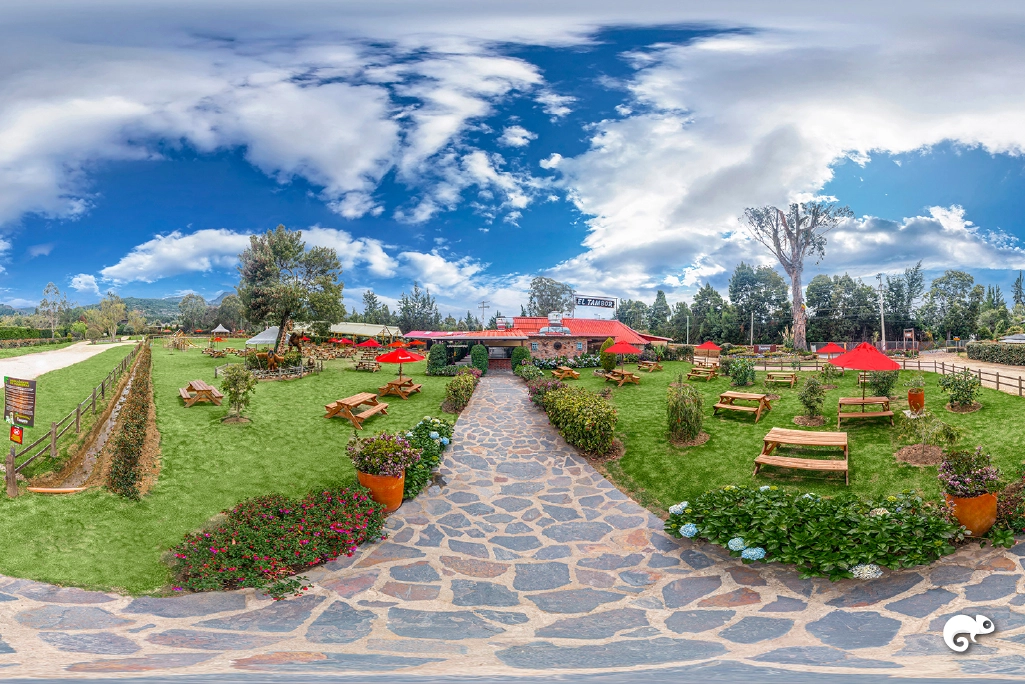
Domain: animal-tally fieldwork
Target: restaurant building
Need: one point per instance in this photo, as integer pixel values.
(547, 338)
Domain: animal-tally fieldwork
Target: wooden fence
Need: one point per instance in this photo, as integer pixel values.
(73, 420)
(991, 379)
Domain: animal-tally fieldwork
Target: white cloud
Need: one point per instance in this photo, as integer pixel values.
(353, 251)
(19, 303)
(552, 161)
(85, 283)
(516, 136)
(176, 253)
(555, 106)
(40, 250)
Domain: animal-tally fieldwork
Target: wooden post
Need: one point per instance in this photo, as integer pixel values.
(1019, 386)
(103, 388)
(11, 476)
(94, 401)
(53, 440)
(78, 419)
(998, 381)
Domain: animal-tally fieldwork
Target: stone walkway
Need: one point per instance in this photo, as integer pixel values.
(526, 560)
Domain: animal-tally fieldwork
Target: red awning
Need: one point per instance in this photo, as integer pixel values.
(622, 348)
(709, 345)
(865, 357)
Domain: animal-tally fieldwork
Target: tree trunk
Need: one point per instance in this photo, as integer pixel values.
(281, 332)
(799, 316)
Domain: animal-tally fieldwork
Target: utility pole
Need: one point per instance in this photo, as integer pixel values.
(752, 327)
(688, 329)
(483, 305)
(882, 321)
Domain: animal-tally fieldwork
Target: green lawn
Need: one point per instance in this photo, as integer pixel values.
(35, 349)
(97, 540)
(661, 474)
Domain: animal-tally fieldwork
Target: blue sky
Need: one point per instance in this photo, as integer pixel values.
(470, 149)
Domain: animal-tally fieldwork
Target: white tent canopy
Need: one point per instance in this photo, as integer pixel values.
(268, 336)
(220, 329)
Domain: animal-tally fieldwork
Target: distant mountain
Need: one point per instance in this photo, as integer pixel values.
(154, 309)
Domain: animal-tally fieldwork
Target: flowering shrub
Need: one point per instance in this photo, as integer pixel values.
(263, 541)
(459, 390)
(587, 421)
(742, 371)
(539, 387)
(963, 387)
(126, 447)
(831, 537)
(382, 454)
(528, 371)
(470, 370)
(431, 436)
(582, 361)
(683, 411)
(965, 474)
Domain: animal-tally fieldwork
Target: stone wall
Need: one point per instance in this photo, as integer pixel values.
(552, 347)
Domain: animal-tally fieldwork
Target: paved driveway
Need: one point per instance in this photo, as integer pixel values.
(31, 366)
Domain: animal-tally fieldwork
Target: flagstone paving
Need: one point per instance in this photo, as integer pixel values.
(523, 558)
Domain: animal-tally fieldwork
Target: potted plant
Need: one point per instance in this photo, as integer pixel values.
(968, 479)
(916, 392)
(381, 463)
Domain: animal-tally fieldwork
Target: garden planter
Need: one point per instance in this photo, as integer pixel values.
(916, 400)
(384, 489)
(977, 513)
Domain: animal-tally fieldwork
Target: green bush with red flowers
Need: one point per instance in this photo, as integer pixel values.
(264, 541)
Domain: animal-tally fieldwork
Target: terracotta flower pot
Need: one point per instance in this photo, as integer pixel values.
(977, 513)
(384, 489)
(916, 400)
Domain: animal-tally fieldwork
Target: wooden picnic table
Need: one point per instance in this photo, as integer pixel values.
(372, 366)
(401, 387)
(727, 399)
(565, 373)
(649, 366)
(882, 402)
(703, 373)
(790, 378)
(197, 391)
(346, 407)
(804, 438)
(620, 377)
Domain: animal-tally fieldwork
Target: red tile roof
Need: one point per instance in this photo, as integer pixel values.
(583, 327)
(512, 334)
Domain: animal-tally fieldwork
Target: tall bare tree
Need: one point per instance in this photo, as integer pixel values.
(791, 236)
(53, 306)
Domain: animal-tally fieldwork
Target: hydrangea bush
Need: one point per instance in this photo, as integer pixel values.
(831, 537)
(528, 371)
(431, 436)
(264, 541)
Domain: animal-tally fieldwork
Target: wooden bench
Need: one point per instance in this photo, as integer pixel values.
(727, 399)
(345, 407)
(706, 374)
(649, 366)
(372, 366)
(804, 438)
(565, 373)
(785, 378)
(882, 402)
(620, 377)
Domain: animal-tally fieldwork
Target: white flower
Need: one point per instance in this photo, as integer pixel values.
(866, 571)
(764, 488)
(878, 511)
(753, 553)
(689, 530)
(676, 509)
(737, 544)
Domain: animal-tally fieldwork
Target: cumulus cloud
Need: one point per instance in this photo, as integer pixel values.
(176, 253)
(516, 136)
(85, 283)
(40, 250)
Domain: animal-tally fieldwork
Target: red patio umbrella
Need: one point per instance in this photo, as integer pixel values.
(400, 356)
(865, 357)
(831, 348)
(622, 348)
(397, 344)
(369, 343)
(304, 338)
(709, 345)
(345, 341)
(417, 343)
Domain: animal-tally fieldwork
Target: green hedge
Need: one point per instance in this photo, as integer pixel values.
(519, 355)
(437, 357)
(587, 421)
(124, 475)
(459, 390)
(23, 334)
(997, 352)
(479, 358)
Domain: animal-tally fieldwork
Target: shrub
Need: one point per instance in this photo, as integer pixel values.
(263, 541)
(255, 362)
(382, 454)
(966, 474)
(126, 447)
(584, 419)
(834, 537)
(608, 361)
(430, 436)
(1011, 507)
(582, 361)
(683, 411)
(539, 387)
(437, 357)
(963, 387)
(680, 352)
(479, 358)
(925, 428)
(446, 371)
(291, 359)
(742, 371)
(882, 382)
(238, 385)
(528, 372)
(459, 390)
(830, 373)
(915, 383)
(519, 355)
(469, 370)
(811, 397)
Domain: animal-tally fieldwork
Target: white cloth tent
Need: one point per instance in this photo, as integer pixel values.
(220, 329)
(268, 336)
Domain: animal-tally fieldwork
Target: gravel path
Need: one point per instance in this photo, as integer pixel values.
(31, 366)
(528, 561)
